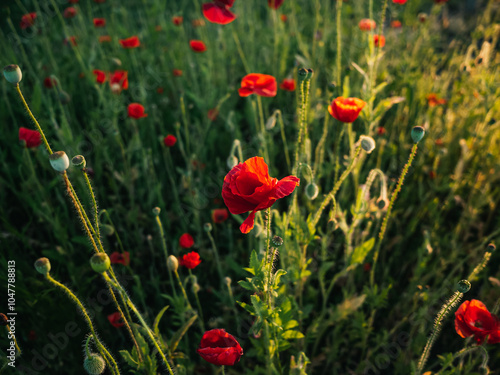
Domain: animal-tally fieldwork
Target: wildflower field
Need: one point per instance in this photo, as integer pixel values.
(250, 187)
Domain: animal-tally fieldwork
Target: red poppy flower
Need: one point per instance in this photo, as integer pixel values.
(220, 215)
(380, 130)
(433, 100)
(212, 114)
(288, 84)
(283, 18)
(70, 40)
(119, 258)
(100, 75)
(260, 84)
(219, 348)
(73, 1)
(160, 90)
(99, 22)
(136, 110)
(116, 320)
(366, 24)
(197, 46)
(346, 109)
(218, 11)
(399, 1)
(131, 42)
(177, 72)
(32, 138)
(439, 142)
(396, 24)
(275, 4)
(104, 38)
(379, 40)
(190, 260)
(248, 187)
(186, 241)
(28, 20)
(49, 82)
(169, 140)
(118, 81)
(473, 319)
(177, 20)
(440, 1)
(69, 12)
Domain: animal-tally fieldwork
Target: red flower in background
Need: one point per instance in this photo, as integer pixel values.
(275, 4)
(381, 130)
(198, 22)
(28, 20)
(116, 320)
(220, 215)
(70, 40)
(132, 42)
(219, 348)
(69, 12)
(186, 241)
(190, 260)
(284, 18)
(433, 100)
(473, 319)
(100, 76)
(396, 24)
(366, 24)
(99, 22)
(260, 84)
(288, 84)
(119, 258)
(218, 11)
(177, 72)
(197, 46)
(212, 114)
(177, 20)
(379, 40)
(440, 1)
(32, 138)
(118, 81)
(248, 187)
(169, 140)
(49, 82)
(104, 38)
(346, 109)
(73, 1)
(399, 1)
(136, 110)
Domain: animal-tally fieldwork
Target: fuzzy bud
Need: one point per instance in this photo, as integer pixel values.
(100, 262)
(367, 143)
(207, 227)
(107, 230)
(172, 263)
(417, 133)
(227, 281)
(277, 241)
(156, 211)
(42, 265)
(195, 288)
(59, 161)
(79, 162)
(12, 74)
(312, 191)
(3, 320)
(271, 122)
(94, 364)
(463, 286)
(232, 162)
(302, 74)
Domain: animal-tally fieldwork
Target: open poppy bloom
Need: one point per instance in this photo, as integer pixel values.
(69, 12)
(190, 260)
(186, 241)
(119, 258)
(28, 20)
(169, 140)
(396, 24)
(177, 72)
(49, 82)
(32, 138)
(473, 319)
(220, 215)
(116, 320)
(260, 84)
(433, 100)
(379, 40)
(177, 20)
(70, 40)
(220, 348)
(275, 4)
(288, 84)
(366, 24)
(212, 114)
(399, 1)
(118, 81)
(99, 75)
(197, 46)
(99, 22)
(131, 42)
(248, 187)
(346, 109)
(218, 11)
(136, 110)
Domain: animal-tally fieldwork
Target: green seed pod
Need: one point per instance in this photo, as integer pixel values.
(271, 122)
(367, 143)
(100, 262)
(207, 227)
(156, 211)
(303, 73)
(312, 191)
(172, 263)
(107, 230)
(277, 241)
(195, 288)
(3, 320)
(12, 74)
(42, 265)
(59, 161)
(310, 73)
(94, 364)
(232, 162)
(463, 286)
(78, 161)
(417, 133)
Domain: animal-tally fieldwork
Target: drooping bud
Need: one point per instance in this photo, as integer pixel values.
(312, 191)
(277, 241)
(107, 230)
(227, 281)
(417, 133)
(172, 263)
(207, 227)
(310, 73)
(271, 122)
(232, 161)
(195, 288)
(94, 364)
(59, 161)
(156, 211)
(303, 73)
(42, 265)
(12, 74)
(100, 262)
(78, 161)
(3, 320)
(367, 144)
(463, 286)
(491, 247)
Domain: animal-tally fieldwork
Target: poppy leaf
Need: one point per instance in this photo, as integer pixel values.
(277, 278)
(291, 334)
(176, 338)
(157, 320)
(128, 358)
(247, 307)
(246, 285)
(362, 251)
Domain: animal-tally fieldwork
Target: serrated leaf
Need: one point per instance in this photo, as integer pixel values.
(128, 358)
(176, 338)
(277, 277)
(157, 320)
(247, 307)
(246, 285)
(291, 334)
(291, 324)
(359, 254)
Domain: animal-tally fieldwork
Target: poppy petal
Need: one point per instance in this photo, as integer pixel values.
(217, 14)
(286, 186)
(247, 225)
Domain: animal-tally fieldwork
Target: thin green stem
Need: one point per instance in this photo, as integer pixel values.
(268, 227)
(183, 290)
(165, 251)
(463, 352)
(283, 138)
(262, 127)
(94, 202)
(198, 304)
(216, 254)
(339, 43)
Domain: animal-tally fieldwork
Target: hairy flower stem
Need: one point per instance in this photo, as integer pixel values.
(164, 245)
(94, 202)
(183, 290)
(262, 122)
(304, 94)
(339, 43)
(389, 210)
(198, 304)
(216, 255)
(268, 227)
(104, 353)
(465, 351)
(283, 138)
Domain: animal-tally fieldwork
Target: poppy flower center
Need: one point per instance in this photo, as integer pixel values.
(247, 184)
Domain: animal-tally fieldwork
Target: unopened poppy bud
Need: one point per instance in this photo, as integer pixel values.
(491, 247)
(310, 73)
(367, 144)
(463, 286)
(277, 241)
(195, 288)
(207, 227)
(59, 161)
(156, 211)
(94, 364)
(172, 263)
(3, 320)
(417, 133)
(116, 61)
(100, 262)
(232, 162)
(64, 97)
(227, 281)
(107, 230)
(382, 203)
(271, 122)
(13, 74)
(422, 17)
(78, 161)
(42, 265)
(312, 191)
(303, 74)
